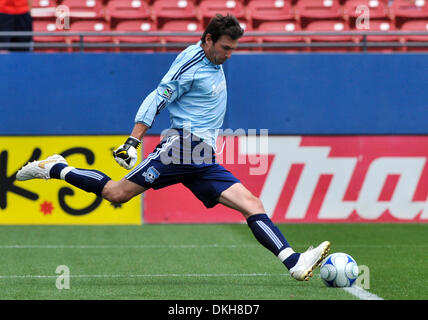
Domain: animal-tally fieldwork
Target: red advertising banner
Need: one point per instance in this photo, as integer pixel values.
(311, 179)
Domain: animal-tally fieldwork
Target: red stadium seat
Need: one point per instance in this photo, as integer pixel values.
(310, 10)
(403, 10)
(47, 26)
(382, 26)
(120, 10)
(136, 26)
(167, 10)
(209, 8)
(90, 26)
(281, 26)
(246, 39)
(85, 9)
(182, 26)
(377, 9)
(415, 25)
(43, 9)
(329, 26)
(259, 11)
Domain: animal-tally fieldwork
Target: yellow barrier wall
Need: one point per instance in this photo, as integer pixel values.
(55, 202)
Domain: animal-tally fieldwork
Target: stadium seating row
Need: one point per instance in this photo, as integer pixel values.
(252, 11)
(184, 26)
(255, 15)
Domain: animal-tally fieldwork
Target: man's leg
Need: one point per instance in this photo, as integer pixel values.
(300, 266)
(6, 24)
(56, 167)
(23, 22)
(240, 198)
(121, 191)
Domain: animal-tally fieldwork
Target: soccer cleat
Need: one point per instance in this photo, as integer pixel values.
(39, 169)
(309, 260)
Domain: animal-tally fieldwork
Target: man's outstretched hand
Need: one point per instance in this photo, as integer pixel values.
(126, 155)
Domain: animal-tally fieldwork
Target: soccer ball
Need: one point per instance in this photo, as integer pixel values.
(339, 270)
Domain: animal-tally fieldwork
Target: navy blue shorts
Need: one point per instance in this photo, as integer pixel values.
(184, 158)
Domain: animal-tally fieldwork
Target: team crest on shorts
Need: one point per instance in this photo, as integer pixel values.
(151, 174)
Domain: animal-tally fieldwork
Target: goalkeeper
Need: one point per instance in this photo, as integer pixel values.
(194, 91)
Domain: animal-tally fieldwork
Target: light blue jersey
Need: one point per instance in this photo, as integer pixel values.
(194, 90)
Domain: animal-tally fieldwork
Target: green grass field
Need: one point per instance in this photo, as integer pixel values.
(203, 262)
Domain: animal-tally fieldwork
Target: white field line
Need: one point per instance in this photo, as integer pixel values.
(125, 246)
(184, 275)
(361, 293)
(176, 246)
(355, 291)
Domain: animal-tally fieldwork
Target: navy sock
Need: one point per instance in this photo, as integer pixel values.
(88, 180)
(271, 238)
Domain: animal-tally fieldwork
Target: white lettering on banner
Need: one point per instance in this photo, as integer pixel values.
(424, 214)
(401, 205)
(316, 162)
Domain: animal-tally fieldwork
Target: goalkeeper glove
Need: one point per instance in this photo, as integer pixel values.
(126, 155)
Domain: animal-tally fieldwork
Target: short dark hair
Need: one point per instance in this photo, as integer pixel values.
(223, 25)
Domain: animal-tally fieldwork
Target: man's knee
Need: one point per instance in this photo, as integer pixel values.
(115, 194)
(239, 198)
(252, 204)
(256, 203)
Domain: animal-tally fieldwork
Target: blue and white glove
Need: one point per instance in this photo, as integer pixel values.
(126, 155)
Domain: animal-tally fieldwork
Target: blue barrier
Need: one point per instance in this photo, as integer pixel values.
(55, 94)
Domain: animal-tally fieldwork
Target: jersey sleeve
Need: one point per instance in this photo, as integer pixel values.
(167, 91)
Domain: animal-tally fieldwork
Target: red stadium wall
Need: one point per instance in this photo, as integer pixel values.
(311, 179)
